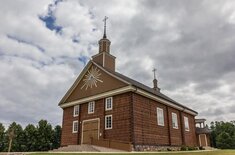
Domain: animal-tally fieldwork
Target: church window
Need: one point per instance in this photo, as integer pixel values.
(160, 117)
(91, 107)
(76, 110)
(109, 103)
(186, 124)
(108, 122)
(174, 121)
(75, 126)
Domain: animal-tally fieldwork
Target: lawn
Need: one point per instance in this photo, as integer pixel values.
(218, 152)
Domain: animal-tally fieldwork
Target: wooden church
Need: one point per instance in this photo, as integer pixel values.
(106, 108)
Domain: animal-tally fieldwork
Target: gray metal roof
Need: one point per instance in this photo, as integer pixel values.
(148, 89)
(203, 130)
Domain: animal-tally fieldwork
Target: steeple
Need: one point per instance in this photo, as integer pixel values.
(155, 86)
(104, 58)
(104, 43)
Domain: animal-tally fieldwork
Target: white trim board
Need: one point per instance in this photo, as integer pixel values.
(99, 96)
(127, 89)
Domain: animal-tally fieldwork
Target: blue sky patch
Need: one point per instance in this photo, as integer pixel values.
(49, 20)
(83, 59)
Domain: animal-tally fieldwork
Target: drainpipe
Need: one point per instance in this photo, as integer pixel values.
(182, 127)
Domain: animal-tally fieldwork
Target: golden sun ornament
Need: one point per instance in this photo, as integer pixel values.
(91, 78)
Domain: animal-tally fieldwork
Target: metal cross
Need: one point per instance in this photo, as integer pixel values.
(104, 20)
(154, 72)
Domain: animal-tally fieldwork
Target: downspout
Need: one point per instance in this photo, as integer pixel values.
(169, 129)
(79, 126)
(133, 118)
(182, 127)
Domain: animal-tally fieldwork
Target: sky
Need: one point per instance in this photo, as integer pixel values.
(45, 44)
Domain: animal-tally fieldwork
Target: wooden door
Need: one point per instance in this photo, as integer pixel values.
(90, 130)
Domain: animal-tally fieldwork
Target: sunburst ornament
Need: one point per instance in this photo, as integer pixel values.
(91, 78)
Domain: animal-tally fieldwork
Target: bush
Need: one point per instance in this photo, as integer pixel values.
(183, 148)
(191, 148)
(169, 149)
(188, 148)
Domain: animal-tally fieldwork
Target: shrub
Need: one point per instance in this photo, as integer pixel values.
(169, 149)
(183, 148)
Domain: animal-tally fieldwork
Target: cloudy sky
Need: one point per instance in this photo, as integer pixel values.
(45, 44)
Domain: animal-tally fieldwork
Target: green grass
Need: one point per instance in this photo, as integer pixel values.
(217, 152)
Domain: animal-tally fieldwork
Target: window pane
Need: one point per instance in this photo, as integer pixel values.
(160, 116)
(108, 103)
(108, 122)
(91, 107)
(186, 123)
(76, 110)
(174, 121)
(75, 126)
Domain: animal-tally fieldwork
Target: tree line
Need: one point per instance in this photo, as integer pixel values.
(223, 134)
(42, 137)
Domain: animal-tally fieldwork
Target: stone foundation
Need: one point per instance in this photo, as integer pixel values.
(155, 148)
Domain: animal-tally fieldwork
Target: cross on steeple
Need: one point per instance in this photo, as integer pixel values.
(104, 20)
(154, 72)
(155, 86)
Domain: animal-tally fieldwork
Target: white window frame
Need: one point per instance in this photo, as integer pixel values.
(107, 102)
(91, 107)
(160, 117)
(75, 110)
(74, 123)
(174, 120)
(186, 123)
(107, 128)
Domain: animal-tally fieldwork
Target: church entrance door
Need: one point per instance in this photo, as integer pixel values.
(90, 130)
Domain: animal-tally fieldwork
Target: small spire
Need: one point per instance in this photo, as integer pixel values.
(155, 87)
(154, 72)
(104, 20)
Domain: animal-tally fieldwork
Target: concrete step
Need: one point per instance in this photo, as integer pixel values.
(105, 149)
(76, 148)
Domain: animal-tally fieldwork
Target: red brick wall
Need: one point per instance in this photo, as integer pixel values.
(121, 118)
(143, 122)
(120, 115)
(148, 132)
(67, 137)
(190, 136)
(176, 136)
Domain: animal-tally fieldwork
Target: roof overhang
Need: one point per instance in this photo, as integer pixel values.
(128, 89)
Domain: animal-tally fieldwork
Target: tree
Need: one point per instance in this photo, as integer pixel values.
(15, 137)
(30, 133)
(39, 138)
(2, 137)
(56, 137)
(224, 141)
(44, 136)
(223, 134)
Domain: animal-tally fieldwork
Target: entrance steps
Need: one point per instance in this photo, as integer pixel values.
(209, 148)
(85, 148)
